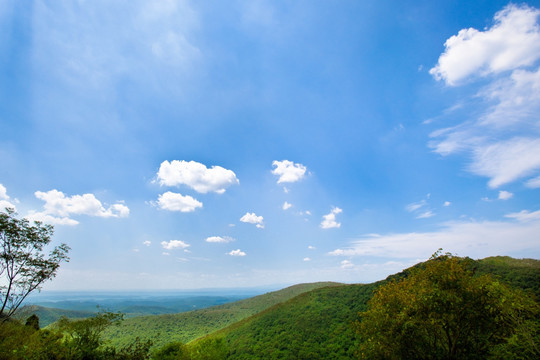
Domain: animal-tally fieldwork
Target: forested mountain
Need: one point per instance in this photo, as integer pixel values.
(306, 321)
(188, 326)
(319, 324)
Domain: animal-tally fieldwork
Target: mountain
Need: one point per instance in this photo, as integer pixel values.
(49, 315)
(319, 324)
(188, 326)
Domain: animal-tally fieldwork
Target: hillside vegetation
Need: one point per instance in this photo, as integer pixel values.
(319, 324)
(188, 326)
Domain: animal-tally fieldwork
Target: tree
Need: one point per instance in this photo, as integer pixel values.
(24, 267)
(83, 336)
(443, 310)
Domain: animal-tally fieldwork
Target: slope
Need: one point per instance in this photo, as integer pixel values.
(187, 326)
(318, 324)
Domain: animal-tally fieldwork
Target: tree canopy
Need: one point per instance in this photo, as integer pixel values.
(24, 266)
(443, 310)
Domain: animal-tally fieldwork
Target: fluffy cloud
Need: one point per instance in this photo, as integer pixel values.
(347, 264)
(513, 41)
(178, 202)
(196, 176)
(307, 259)
(252, 218)
(219, 239)
(147, 243)
(288, 171)
(236, 252)
(329, 220)
(505, 195)
(286, 206)
(466, 238)
(503, 141)
(174, 244)
(58, 208)
(57, 203)
(49, 219)
(4, 199)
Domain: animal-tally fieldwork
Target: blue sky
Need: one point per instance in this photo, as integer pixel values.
(196, 144)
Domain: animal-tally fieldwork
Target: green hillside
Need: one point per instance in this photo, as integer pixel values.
(318, 324)
(49, 315)
(188, 326)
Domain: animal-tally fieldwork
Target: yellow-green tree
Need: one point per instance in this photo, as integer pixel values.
(442, 310)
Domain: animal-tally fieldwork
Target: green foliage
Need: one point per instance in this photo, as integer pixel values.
(68, 340)
(83, 337)
(188, 326)
(172, 351)
(313, 325)
(23, 265)
(33, 322)
(442, 310)
(48, 316)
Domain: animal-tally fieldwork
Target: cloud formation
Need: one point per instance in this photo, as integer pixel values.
(5, 201)
(505, 195)
(252, 218)
(513, 41)
(219, 239)
(286, 206)
(59, 208)
(236, 252)
(329, 220)
(503, 141)
(288, 171)
(471, 238)
(178, 202)
(174, 244)
(196, 176)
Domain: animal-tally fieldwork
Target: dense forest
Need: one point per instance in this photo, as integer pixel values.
(307, 321)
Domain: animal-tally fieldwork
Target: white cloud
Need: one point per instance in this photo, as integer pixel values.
(286, 205)
(307, 259)
(252, 218)
(524, 216)
(311, 247)
(196, 176)
(219, 239)
(533, 183)
(3, 193)
(347, 264)
(5, 199)
(236, 252)
(506, 161)
(415, 206)
(467, 238)
(288, 171)
(505, 195)
(447, 203)
(178, 202)
(513, 41)
(329, 220)
(503, 141)
(147, 243)
(425, 214)
(49, 219)
(174, 244)
(58, 208)
(165, 254)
